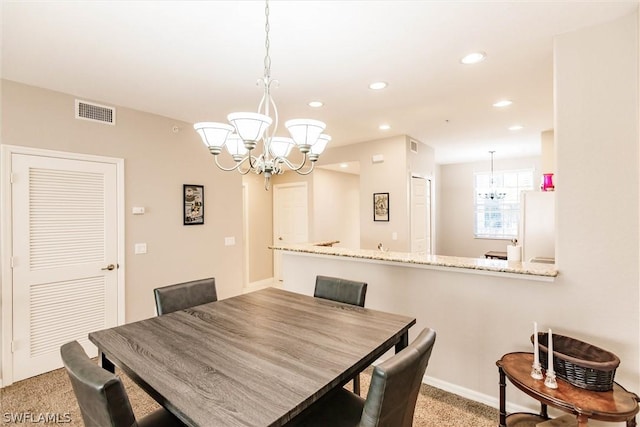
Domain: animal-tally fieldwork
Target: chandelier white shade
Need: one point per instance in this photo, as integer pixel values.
(304, 132)
(246, 129)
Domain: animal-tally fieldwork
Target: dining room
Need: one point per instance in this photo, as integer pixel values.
(153, 154)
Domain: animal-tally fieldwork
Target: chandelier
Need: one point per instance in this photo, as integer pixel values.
(492, 194)
(247, 129)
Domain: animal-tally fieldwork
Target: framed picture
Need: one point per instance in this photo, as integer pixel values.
(193, 198)
(381, 206)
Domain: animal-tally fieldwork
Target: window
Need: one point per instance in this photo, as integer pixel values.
(498, 218)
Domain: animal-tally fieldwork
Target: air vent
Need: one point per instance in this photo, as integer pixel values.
(413, 145)
(95, 112)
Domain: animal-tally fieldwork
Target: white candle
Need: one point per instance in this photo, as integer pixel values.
(550, 354)
(536, 357)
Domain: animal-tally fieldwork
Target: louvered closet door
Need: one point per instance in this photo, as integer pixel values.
(64, 234)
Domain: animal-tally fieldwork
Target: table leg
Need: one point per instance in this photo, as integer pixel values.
(503, 405)
(543, 411)
(631, 422)
(583, 420)
(404, 341)
(106, 363)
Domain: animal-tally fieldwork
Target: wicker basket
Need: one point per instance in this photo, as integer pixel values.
(579, 363)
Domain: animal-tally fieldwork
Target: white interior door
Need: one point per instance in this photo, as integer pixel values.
(420, 215)
(290, 219)
(64, 256)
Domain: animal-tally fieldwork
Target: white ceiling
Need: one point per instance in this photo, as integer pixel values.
(199, 60)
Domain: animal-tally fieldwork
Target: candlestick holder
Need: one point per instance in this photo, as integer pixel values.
(550, 380)
(536, 371)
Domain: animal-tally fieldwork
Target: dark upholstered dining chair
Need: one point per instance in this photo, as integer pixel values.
(184, 295)
(346, 291)
(392, 396)
(341, 290)
(101, 395)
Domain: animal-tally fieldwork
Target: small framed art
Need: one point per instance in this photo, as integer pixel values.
(381, 206)
(193, 199)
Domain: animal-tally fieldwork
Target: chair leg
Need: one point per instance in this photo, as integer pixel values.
(356, 384)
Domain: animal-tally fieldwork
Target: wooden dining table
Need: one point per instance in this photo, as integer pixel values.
(257, 359)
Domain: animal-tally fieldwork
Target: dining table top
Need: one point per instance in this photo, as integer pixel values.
(256, 359)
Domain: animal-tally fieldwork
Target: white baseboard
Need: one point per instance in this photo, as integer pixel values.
(474, 395)
(261, 284)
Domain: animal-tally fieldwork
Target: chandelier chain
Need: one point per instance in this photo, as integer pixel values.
(267, 58)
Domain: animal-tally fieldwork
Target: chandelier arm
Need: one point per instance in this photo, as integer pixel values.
(252, 165)
(228, 169)
(275, 109)
(238, 165)
(297, 168)
(306, 172)
(252, 161)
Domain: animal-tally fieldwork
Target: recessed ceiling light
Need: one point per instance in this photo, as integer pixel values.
(378, 85)
(473, 58)
(315, 104)
(515, 127)
(502, 103)
(384, 127)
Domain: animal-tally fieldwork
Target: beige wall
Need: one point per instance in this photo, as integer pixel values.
(456, 204)
(157, 163)
(596, 296)
(260, 231)
(336, 201)
(548, 152)
(596, 131)
(391, 176)
(340, 205)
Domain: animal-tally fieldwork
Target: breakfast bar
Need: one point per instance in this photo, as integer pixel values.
(482, 308)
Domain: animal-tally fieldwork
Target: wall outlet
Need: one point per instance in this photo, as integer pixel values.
(140, 248)
(229, 241)
(394, 236)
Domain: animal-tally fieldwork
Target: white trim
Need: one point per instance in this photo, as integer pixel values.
(476, 396)
(261, 284)
(245, 234)
(471, 394)
(6, 285)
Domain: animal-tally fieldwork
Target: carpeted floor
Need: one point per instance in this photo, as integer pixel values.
(51, 393)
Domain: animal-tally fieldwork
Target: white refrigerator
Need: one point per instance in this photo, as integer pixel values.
(537, 226)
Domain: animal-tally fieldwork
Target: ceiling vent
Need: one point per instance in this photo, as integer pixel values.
(413, 145)
(95, 112)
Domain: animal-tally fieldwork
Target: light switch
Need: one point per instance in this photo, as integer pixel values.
(394, 236)
(140, 248)
(137, 210)
(229, 241)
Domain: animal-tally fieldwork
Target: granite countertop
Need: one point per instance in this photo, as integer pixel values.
(482, 264)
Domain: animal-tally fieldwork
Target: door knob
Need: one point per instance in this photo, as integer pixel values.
(279, 238)
(109, 267)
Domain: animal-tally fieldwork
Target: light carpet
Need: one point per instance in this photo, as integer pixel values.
(51, 393)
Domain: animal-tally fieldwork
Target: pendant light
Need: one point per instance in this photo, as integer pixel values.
(246, 130)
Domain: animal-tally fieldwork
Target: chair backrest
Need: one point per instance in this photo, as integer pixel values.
(395, 384)
(101, 396)
(341, 290)
(184, 295)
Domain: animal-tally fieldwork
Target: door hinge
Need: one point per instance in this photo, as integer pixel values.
(13, 346)
(12, 177)
(13, 262)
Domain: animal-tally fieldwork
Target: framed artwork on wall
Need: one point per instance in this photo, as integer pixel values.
(381, 206)
(193, 201)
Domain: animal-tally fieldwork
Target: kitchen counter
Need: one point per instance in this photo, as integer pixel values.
(526, 270)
